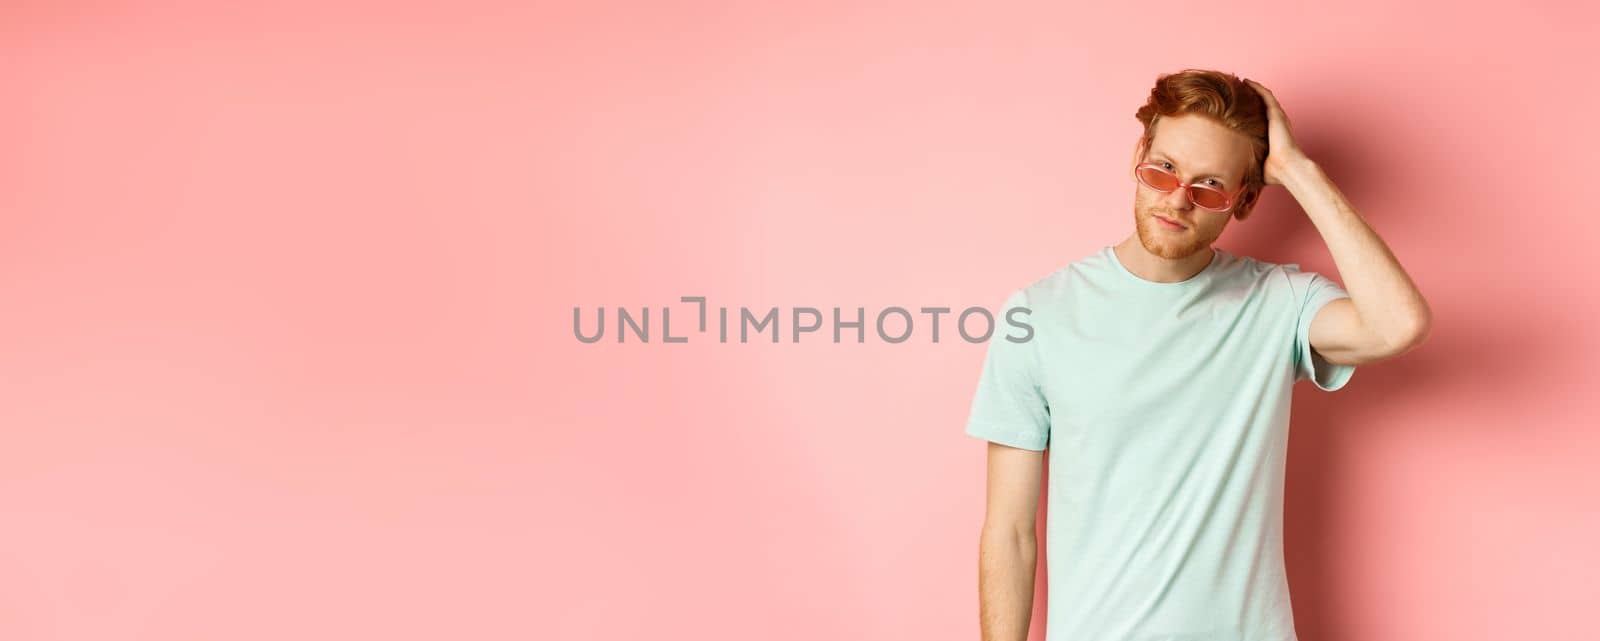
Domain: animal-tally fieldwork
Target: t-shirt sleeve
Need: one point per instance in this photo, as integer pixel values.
(1311, 292)
(1009, 406)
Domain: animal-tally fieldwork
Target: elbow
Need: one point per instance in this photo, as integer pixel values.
(1016, 542)
(1413, 333)
(1018, 530)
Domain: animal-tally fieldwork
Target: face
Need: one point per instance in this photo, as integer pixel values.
(1197, 150)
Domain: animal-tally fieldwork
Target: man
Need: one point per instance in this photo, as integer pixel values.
(1158, 379)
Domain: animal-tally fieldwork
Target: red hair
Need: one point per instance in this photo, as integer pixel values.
(1223, 98)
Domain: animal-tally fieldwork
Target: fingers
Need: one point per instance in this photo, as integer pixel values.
(1266, 96)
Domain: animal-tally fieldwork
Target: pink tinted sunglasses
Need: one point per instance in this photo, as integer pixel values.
(1160, 179)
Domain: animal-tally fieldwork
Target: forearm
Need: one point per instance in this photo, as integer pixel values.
(1006, 565)
(1387, 300)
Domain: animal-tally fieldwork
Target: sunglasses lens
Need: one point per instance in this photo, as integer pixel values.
(1208, 198)
(1157, 179)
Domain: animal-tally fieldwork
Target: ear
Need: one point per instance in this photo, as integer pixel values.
(1247, 203)
(1138, 152)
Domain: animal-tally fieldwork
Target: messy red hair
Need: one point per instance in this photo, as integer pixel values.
(1225, 99)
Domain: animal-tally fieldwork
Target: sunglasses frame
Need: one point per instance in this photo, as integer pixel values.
(1186, 186)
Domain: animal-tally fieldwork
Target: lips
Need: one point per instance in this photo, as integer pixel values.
(1170, 223)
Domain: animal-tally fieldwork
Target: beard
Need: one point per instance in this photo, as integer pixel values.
(1160, 241)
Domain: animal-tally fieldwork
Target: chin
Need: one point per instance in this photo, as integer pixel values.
(1166, 244)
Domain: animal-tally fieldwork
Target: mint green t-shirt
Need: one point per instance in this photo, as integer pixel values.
(1165, 411)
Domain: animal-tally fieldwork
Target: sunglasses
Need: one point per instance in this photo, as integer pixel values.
(1156, 177)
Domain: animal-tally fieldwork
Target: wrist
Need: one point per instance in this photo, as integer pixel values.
(1298, 170)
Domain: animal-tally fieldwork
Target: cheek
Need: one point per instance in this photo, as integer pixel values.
(1142, 200)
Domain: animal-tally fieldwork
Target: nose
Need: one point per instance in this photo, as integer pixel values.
(1178, 199)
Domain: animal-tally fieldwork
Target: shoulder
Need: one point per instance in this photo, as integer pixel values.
(1060, 283)
(1283, 276)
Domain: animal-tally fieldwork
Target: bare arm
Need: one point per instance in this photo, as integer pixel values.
(1008, 546)
(1385, 314)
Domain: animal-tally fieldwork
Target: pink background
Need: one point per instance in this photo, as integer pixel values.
(288, 289)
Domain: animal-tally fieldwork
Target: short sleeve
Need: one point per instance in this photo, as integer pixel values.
(1009, 406)
(1311, 292)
